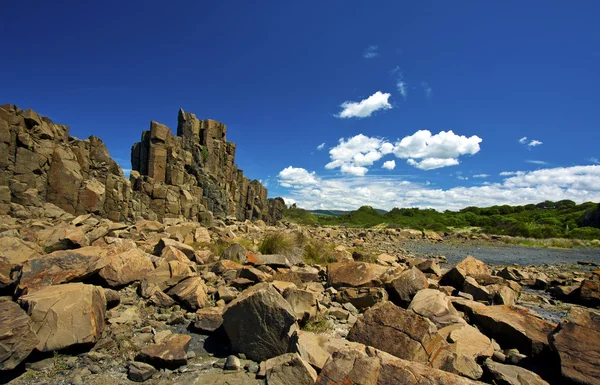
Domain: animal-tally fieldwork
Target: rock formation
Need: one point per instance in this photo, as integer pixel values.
(191, 175)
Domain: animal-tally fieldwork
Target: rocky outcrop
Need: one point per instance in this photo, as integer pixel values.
(195, 171)
(17, 336)
(191, 175)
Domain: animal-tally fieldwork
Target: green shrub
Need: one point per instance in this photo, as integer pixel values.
(318, 252)
(278, 243)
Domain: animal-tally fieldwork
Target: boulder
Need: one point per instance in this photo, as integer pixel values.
(62, 237)
(511, 374)
(303, 302)
(469, 266)
(127, 267)
(577, 341)
(513, 327)
(17, 338)
(164, 242)
(13, 253)
(191, 293)
(235, 252)
(355, 274)
(259, 322)
(479, 293)
(165, 276)
(436, 306)
(375, 367)
(409, 282)
(289, 369)
(140, 372)
(209, 319)
(589, 292)
(401, 333)
(468, 341)
(66, 315)
(170, 353)
(429, 266)
(274, 260)
(362, 297)
(61, 267)
(316, 348)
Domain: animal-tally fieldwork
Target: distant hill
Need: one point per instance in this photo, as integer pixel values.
(562, 219)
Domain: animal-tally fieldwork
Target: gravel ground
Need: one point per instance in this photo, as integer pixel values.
(505, 254)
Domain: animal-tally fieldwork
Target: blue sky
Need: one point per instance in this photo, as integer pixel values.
(441, 93)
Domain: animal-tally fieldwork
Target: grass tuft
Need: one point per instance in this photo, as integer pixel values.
(278, 243)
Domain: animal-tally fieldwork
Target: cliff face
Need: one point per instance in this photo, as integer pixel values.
(191, 175)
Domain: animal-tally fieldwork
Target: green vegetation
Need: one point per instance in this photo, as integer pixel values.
(318, 252)
(562, 219)
(278, 243)
(319, 325)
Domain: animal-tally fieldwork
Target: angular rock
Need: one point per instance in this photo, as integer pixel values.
(467, 341)
(61, 267)
(170, 353)
(235, 252)
(305, 273)
(164, 242)
(408, 283)
(436, 306)
(191, 293)
(66, 315)
(478, 292)
(209, 319)
(430, 266)
(255, 275)
(401, 333)
(379, 368)
(511, 374)
(589, 292)
(259, 323)
(316, 348)
(577, 341)
(140, 372)
(303, 302)
(165, 276)
(362, 297)
(513, 327)
(355, 274)
(275, 260)
(17, 338)
(13, 253)
(469, 266)
(289, 369)
(127, 267)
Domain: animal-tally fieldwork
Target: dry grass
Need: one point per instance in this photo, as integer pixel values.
(318, 252)
(559, 243)
(279, 243)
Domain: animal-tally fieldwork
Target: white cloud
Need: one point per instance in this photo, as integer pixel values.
(389, 165)
(538, 162)
(432, 163)
(427, 89)
(481, 176)
(594, 160)
(523, 140)
(366, 107)
(351, 169)
(534, 143)
(510, 173)
(296, 177)
(371, 52)
(444, 145)
(321, 146)
(578, 183)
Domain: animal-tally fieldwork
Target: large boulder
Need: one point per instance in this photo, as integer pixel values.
(375, 367)
(304, 303)
(406, 285)
(467, 340)
(400, 332)
(17, 338)
(170, 353)
(289, 369)
(511, 375)
(362, 297)
(577, 341)
(260, 322)
(127, 267)
(13, 253)
(191, 293)
(513, 327)
(355, 274)
(165, 276)
(317, 348)
(589, 292)
(66, 315)
(436, 306)
(467, 267)
(61, 267)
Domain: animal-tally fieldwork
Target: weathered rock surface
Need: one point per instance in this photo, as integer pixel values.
(408, 283)
(577, 341)
(355, 274)
(17, 338)
(467, 267)
(259, 322)
(191, 293)
(379, 368)
(209, 319)
(436, 306)
(289, 369)
(362, 297)
(13, 253)
(170, 353)
(66, 315)
(140, 372)
(124, 268)
(512, 375)
(316, 349)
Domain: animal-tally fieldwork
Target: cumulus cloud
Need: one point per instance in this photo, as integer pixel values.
(371, 52)
(389, 165)
(534, 143)
(578, 183)
(296, 177)
(432, 163)
(366, 107)
(530, 143)
(351, 169)
(353, 154)
(321, 146)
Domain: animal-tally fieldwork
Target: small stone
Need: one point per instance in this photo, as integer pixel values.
(140, 372)
(351, 308)
(232, 363)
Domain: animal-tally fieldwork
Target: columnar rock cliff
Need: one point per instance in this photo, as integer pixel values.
(190, 175)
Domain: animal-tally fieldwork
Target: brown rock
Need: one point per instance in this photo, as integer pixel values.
(303, 302)
(408, 283)
(467, 341)
(13, 253)
(577, 341)
(362, 297)
(589, 292)
(17, 338)
(355, 274)
(289, 369)
(165, 276)
(513, 327)
(379, 368)
(191, 293)
(170, 353)
(259, 322)
(164, 242)
(316, 348)
(66, 315)
(209, 319)
(512, 375)
(467, 267)
(124, 268)
(436, 306)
